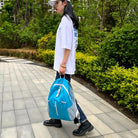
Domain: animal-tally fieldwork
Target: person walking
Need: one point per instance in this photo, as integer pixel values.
(64, 60)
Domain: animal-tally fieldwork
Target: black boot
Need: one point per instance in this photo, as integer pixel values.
(83, 128)
(53, 122)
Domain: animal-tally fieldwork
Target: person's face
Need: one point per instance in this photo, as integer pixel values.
(59, 6)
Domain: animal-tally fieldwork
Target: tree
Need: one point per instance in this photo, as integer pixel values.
(122, 8)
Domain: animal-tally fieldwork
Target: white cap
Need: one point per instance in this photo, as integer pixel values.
(52, 2)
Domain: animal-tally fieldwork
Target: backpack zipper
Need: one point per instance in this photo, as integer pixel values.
(60, 89)
(56, 108)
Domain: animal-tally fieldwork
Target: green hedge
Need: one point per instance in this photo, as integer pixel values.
(28, 54)
(122, 84)
(87, 67)
(119, 82)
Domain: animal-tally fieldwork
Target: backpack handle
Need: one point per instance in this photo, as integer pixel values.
(62, 76)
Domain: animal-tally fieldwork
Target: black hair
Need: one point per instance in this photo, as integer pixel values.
(69, 11)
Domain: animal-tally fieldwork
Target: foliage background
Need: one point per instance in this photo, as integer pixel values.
(107, 53)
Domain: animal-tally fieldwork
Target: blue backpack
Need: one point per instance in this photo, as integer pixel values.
(61, 101)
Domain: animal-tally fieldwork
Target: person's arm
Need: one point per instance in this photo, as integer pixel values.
(62, 68)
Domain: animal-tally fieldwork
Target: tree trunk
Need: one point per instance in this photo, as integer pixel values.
(102, 16)
(22, 14)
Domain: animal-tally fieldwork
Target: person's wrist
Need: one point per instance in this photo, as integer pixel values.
(63, 66)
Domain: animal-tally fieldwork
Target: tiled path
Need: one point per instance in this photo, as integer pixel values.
(24, 89)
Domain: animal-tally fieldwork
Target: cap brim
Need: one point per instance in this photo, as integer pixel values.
(51, 2)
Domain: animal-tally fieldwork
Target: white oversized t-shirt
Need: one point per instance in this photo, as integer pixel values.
(66, 37)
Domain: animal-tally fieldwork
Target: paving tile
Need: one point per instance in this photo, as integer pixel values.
(8, 105)
(88, 96)
(30, 103)
(100, 126)
(102, 106)
(127, 134)
(30, 84)
(94, 95)
(25, 131)
(85, 110)
(59, 132)
(45, 93)
(112, 136)
(98, 137)
(80, 98)
(7, 96)
(24, 87)
(22, 117)
(6, 77)
(7, 89)
(107, 104)
(83, 88)
(40, 101)
(1, 75)
(93, 134)
(0, 119)
(92, 108)
(14, 81)
(1, 98)
(113, 124)
(8, 119)
(1, 89)
(35, 115)
(123, 120)
(36, 80)
(19, 104)
(7, 83)
(26, 94)
(40, 87)
(9, 133)
(36, 93)
(17, 95)
(44, 113)
(15, 89)
(33, 88)
(135, 132)
(40, 131)
(66, 131)
(47, 86)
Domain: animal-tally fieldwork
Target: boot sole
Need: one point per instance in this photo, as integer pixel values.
(53, 125)
(85, 131)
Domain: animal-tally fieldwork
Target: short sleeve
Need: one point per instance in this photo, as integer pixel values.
(66, 33)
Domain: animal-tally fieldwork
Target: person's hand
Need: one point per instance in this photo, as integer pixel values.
(62, 70)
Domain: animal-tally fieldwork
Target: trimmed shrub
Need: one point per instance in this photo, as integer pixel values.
(47, 56)
(21, 53)
(122, 85)
(120, 47)
(47, 42)
(87, 67)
